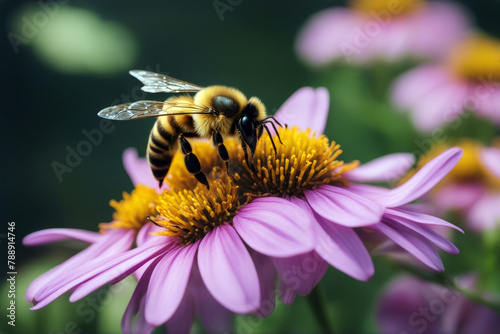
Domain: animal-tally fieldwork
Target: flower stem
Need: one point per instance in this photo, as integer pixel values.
(317, 306)
(443, 279)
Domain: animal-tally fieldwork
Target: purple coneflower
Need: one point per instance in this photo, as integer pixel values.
(467, 80)
(116, 237)
(412, 306)
(381, 29)
(472, 188)
(217, 251)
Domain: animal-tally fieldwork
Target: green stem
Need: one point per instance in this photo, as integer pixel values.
(443, 279)
(317, 306)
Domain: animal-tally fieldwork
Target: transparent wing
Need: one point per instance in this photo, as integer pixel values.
(143, 109)
(156, 83)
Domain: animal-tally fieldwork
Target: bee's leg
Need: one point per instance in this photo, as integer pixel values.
(217, 138)
(249, 163)
(191, 161)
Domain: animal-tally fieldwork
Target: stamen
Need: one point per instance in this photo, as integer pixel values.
(301, 162)
(191, 214)
(132, 211)
(403, 7)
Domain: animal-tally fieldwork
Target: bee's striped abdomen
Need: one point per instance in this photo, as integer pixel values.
(163, 143)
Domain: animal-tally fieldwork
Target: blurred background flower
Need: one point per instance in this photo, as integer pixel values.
(412, 306)
(370, 30)
(468, 80)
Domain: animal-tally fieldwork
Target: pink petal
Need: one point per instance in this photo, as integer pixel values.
(488, 99)
(275, 227)
(425, 179)
(372, 192)
(168, 283)
(413, 85)
(138, 169)
(108, 268)
(267, 278)
(490, 157)
(418, 217)
(183, 318)
(485, 214)
(136, 303)
(57, 234)
(113, 242)
(306, 108)
(228, 271)
(440, 106)
(325, 35)
(426, 232)
(213, 316)
(341, 247)
(387, 168)
(437, 27)
(412, 242)
(343, 207)
(301, 273)
(458, 196)
(286, 294)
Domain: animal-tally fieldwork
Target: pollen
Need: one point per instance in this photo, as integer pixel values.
(190, 214)
(477, 59)
(132, 211)
(468, 170)
(179, 178)
(303, 161)
(394, 8)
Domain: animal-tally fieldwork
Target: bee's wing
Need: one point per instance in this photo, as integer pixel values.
(155, 83)
(143, 109)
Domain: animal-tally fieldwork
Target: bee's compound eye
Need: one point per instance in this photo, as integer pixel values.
(225, 105)
(246, 127)
(251, 110)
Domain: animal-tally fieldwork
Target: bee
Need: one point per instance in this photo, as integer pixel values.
(213, 112)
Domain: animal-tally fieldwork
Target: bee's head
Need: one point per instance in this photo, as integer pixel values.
(249, 128)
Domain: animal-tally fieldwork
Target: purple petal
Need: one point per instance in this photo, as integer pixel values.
(341, 247)
(228, 271)
(323, 38)
(139, 170)
(213, 316)
(419, 218)
(387, 168)
(485, 214)
(426, 232)
(301, 273)
(57, 234)
(306, 108)
(168, 283)
(490, 157)
(488, 95)
(183, 318)
(413, 85)
(425, 179)
(136, 303)
(113, 242)
(275, 227)
(267, 278)
(107, 268)
(457, 196)
(343, 207)
(369, 191)
(412, 242)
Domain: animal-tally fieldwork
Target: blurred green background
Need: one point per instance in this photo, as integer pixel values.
(74, 61)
